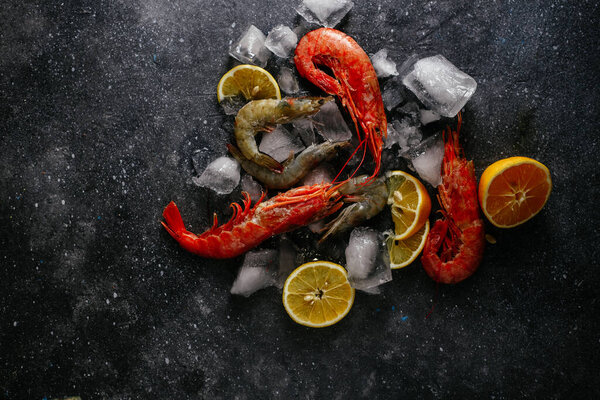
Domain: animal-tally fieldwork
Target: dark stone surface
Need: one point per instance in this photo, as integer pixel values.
(102, 104)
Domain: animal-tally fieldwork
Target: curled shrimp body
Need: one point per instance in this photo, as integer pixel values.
(354, 83)
(295, 169)
(250, 226)
(262, 116)
(368, 201)
(454, 248)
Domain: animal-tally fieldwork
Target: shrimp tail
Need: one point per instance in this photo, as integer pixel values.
(174, 223)
(236, 153)
(267, 161)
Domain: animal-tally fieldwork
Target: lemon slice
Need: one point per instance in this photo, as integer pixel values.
(317, 294)
(248, 81)
(404, 252)
(409, 201)
(514, 190)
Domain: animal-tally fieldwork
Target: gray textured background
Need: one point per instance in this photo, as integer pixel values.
(102, 104)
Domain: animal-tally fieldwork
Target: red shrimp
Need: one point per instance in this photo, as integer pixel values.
(354, 82)
(250, 226)
(454, 248)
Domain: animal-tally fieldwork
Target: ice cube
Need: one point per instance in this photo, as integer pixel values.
(439, 85)
(393, 93)
(428, 116)
(330, 123)
(280, 143)
(367, 259)
(317, 227)
(384, 67)
(258, 271)
(221, 175)
(328, 13)
(287, 260)
(404, 133)
(428, 161)
(323, 173)
(250, 48)
(250, 186)
(281, 40)
(200, 159)
(287, 81)
(305, 130)
(232, 104)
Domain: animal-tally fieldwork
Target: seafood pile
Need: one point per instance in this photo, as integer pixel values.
(343, 73)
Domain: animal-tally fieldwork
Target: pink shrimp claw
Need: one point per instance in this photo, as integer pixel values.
(454, 248)
(354, 82)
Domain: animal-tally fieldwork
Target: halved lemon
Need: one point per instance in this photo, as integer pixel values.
(404, 252)
(317, 294)
(513, 190)
(248, 81)
(409, 201)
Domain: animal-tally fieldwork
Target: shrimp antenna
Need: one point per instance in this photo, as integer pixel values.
(361, 144)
